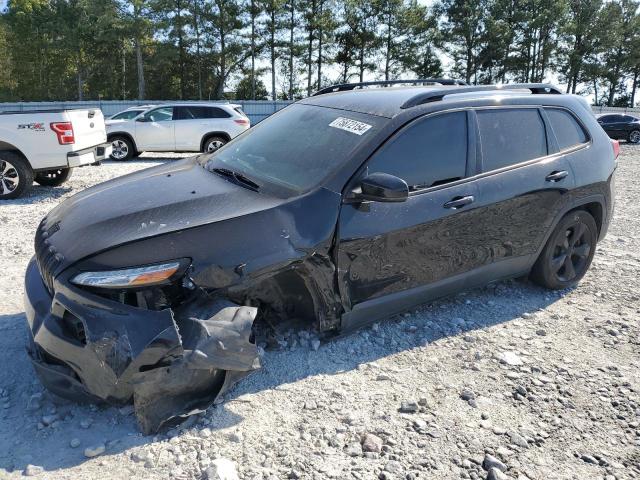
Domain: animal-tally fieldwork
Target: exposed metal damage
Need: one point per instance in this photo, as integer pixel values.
(172, 362)
(214, 353)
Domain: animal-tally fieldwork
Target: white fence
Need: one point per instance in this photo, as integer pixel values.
(256, 110)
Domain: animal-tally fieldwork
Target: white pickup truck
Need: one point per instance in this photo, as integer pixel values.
(45, 145)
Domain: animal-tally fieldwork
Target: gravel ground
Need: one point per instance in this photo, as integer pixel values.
(508, 378)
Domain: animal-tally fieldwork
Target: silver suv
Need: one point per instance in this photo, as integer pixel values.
(187, 127)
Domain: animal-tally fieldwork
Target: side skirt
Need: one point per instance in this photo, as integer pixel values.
(376, 309)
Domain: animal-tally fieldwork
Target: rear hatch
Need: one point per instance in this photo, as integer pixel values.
(88, 128)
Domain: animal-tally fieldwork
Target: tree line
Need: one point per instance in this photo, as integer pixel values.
(286, 49)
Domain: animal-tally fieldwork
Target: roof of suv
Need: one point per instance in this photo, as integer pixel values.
(388, 102)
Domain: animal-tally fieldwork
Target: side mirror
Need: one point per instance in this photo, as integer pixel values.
(382, 187)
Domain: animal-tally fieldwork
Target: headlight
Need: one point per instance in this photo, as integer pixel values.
(129, 277)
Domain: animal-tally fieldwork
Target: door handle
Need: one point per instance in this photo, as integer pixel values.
(556, 176)
(459, 202)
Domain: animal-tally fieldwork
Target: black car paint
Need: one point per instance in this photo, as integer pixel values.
(344, 263)
(620, 125)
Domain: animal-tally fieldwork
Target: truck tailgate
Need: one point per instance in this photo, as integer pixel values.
(88, 128)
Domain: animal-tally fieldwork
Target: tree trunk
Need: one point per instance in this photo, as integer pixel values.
(291, 47)
(140, 66)
(636, 73)
(273, 53)
(180, 48)
(320, 33)
(387, 56)
(253, 50)
(196, 27)
(80, 81)
(311, 29)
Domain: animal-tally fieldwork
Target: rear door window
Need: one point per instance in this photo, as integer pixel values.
(568, 131)
(197, 112)
(431, 151)
(511, 136)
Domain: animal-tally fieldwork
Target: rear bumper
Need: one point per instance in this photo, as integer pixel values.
(89, 155)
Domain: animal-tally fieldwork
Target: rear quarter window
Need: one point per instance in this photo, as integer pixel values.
(511, 136)
(566, 128)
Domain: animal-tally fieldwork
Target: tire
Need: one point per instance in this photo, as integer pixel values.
(634, 136)
(568, 253)
(123, 149)
(16, 176)
(212, 144)
(53, 178)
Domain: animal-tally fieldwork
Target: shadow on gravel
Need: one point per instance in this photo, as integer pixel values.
(37, 194)
(23, 441)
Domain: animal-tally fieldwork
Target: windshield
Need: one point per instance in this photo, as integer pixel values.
(127, 115)
(296, 148)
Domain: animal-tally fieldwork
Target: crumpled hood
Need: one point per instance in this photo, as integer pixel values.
(143, 204)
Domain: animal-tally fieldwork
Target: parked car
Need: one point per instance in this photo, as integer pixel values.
(176, 128)
(341, 209)
(45, 146)
(128, 114)
(621, 127)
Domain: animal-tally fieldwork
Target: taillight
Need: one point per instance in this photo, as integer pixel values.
(242, 122)
(616, 148)
(64, 131)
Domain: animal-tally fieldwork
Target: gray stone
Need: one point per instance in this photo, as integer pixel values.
(310, 405)
(221, 469)
(467, 395)
(490, 462)
(518, 439)
(409, 407)
(74, 443)
(354, 449)
(49, 419)
(372, 443)
(94, 451)
(86, 422)
(495, 474)
(510, 358)
(33, 470)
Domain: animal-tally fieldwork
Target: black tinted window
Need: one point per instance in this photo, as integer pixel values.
(567, 129)
(198, 112)
(432, 151)
(511, 136)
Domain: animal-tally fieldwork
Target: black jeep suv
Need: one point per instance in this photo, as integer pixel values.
(344, 208)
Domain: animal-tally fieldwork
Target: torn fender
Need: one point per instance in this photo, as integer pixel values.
(218, 351)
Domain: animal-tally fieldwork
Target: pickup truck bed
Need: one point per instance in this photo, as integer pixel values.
(44, 145)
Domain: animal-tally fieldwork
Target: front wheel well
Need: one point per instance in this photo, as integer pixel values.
(278, 298)
(207, 136)
(113, 135)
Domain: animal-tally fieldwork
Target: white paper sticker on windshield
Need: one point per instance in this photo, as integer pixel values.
(349, 125)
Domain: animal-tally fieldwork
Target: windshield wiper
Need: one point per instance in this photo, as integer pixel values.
(238, 177)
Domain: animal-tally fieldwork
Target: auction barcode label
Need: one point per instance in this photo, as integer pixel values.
(349, 125)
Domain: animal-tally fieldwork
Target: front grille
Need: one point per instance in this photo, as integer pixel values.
(47, 257)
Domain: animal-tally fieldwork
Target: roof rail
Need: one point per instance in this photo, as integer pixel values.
(436, 95)
(341, 87)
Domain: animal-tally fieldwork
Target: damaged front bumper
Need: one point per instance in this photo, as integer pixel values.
(88, 348)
